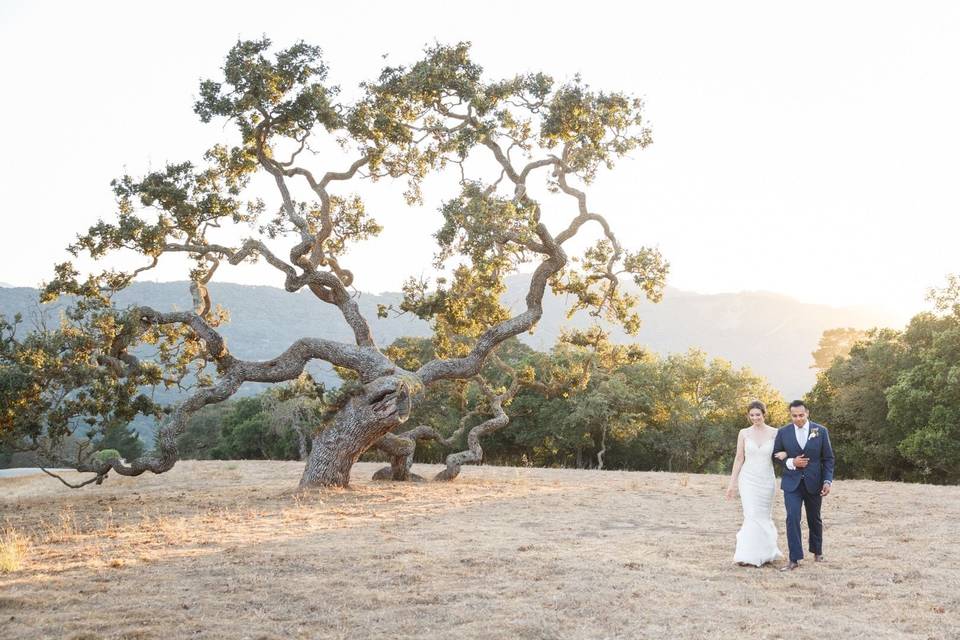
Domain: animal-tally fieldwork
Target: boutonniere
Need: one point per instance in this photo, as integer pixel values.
(814, 433)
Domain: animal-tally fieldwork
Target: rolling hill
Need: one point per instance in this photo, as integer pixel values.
(772, 334)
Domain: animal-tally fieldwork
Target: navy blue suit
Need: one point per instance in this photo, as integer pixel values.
(801, 487)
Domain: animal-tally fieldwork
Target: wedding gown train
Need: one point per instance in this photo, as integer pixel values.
(757, 538)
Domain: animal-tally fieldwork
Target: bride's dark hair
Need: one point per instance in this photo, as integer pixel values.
(756, 404)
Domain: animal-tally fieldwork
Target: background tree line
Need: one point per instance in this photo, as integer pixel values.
(893, 399)
(890, 398)
(643, 411)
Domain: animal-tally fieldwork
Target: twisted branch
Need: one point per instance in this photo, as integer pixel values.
(401, 447)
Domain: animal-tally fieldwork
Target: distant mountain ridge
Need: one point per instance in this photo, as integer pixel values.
(772, 334)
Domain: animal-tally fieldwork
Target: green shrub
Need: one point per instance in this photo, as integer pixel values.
(105, 455)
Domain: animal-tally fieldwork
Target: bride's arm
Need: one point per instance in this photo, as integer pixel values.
(737, 463)
(778, 448)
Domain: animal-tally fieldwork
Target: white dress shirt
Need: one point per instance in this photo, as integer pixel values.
(802, 433)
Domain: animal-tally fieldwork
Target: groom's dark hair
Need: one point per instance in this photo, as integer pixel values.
(798, 403)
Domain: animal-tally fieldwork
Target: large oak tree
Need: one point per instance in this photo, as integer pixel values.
(515, 146)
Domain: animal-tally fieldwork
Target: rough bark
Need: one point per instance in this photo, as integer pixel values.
(500, 419)
(603, 447)
(400, 451)
(381, 406)
(474, 452)
(401, 447)
(302, 443)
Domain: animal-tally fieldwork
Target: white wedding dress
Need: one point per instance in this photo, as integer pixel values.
(757, 538)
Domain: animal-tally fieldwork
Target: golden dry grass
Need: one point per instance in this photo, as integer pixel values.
(227, 550)
(13, 548)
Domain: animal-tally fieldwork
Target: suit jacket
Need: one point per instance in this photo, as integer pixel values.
(817, 449)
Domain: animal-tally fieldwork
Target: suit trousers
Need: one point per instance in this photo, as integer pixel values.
(793, 501)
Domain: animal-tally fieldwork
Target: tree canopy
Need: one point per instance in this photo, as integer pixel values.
(893, 401)
(835, 343)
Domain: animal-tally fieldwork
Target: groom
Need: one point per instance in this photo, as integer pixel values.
(807, 477)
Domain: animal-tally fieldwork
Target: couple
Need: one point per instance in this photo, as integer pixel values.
(803, 448)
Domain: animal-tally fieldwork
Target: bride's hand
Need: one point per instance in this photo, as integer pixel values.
(781, 456)
(730, 493)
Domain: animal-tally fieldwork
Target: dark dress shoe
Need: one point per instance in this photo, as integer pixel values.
(790, 566)
(819, 558)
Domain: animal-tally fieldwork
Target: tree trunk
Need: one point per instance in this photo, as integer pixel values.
(401, 452)
(331, 460)
(365, 418)
(401, 447)
(474, 453)
(603, 447)
(302, 443)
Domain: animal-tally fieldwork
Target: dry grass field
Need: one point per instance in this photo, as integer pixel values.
(228, 550)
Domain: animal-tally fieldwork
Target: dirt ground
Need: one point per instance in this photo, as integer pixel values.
(229, 550)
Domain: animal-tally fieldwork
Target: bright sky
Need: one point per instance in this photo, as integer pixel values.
(811, 149)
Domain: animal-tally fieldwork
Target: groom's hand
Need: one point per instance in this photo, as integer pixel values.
(826, 489)
(801, 461)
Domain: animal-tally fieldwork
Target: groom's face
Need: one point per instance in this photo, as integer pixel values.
(798, 415)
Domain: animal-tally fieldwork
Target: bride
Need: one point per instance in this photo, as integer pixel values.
(753, 474)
